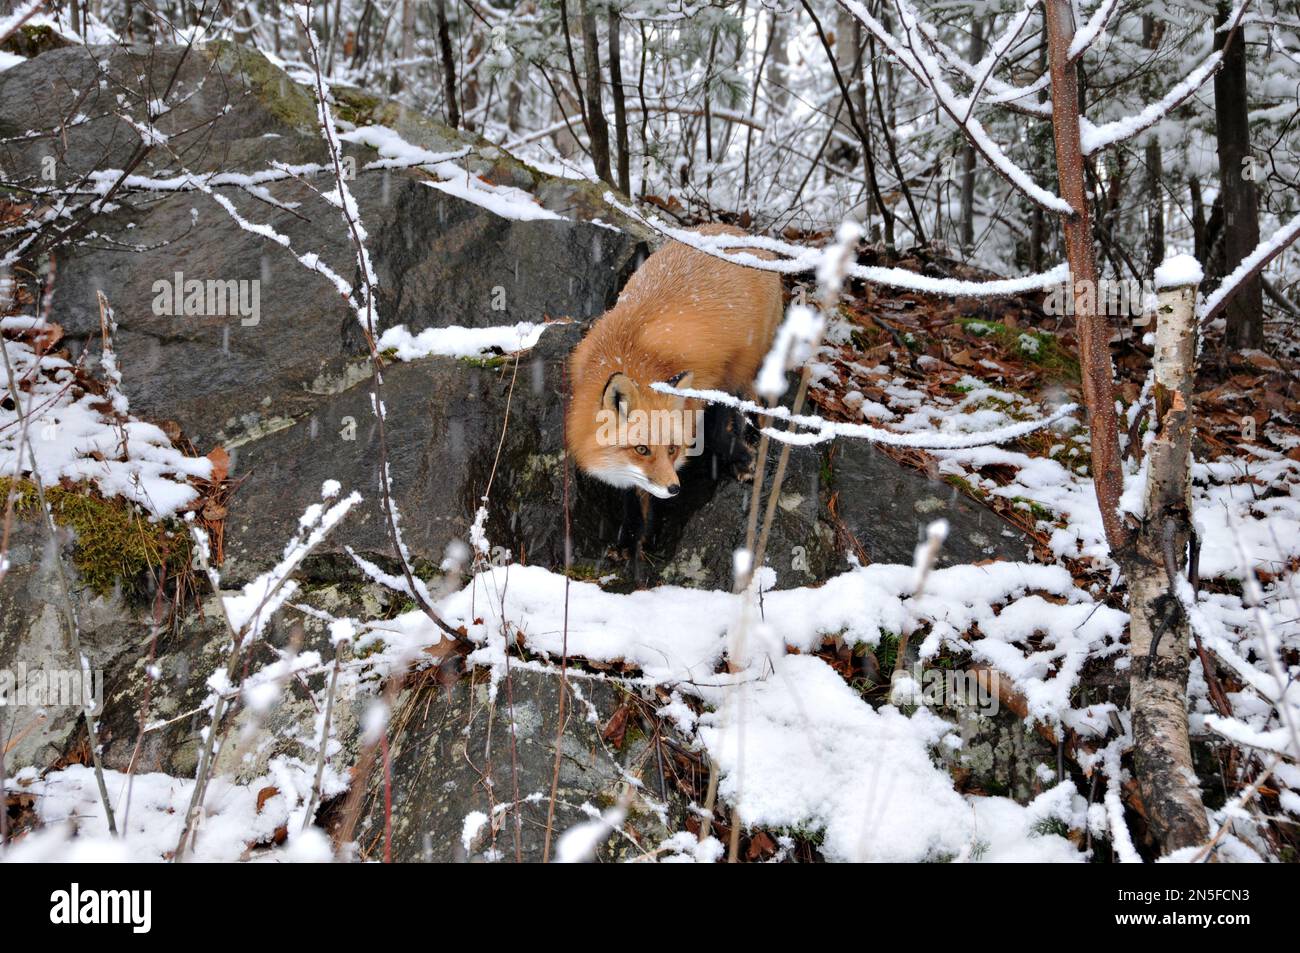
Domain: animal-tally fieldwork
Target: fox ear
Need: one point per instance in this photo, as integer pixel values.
(621, 395)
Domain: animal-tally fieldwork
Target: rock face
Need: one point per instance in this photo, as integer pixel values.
(286, 388)
(454, 758)
(885, 508)
(33, 636)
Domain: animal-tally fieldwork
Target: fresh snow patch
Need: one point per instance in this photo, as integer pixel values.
(1179, 271)
(456, 341)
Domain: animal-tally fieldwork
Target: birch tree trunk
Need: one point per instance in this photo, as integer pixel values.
(1162, 755)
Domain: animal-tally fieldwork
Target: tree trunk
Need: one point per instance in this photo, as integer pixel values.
(1093, 331)
(968, 155)
(847, 48)
(1200, 240)
(448, 62)
(597, 127)
(1162, 755)
(1038, 232)
(1245, 312)
(620, 103)
(778, 69)
(408, 43)
(1151, 34)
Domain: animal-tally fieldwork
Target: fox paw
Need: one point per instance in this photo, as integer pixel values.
(744, 469)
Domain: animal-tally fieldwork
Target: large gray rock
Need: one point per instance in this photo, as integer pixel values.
(34, 639)
(886, 508)
(454, 755)
(288, 393)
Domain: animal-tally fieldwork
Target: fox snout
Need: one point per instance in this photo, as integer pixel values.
(651, 469)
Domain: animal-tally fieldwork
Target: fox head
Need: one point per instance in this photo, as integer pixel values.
(636, 438)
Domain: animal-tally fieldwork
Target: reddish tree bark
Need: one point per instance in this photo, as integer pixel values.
(1094, 333)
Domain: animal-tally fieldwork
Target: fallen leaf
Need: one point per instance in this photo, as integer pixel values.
(220, 464)
(265, 795)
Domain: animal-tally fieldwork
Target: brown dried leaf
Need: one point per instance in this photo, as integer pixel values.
(220, 463)
(265, 795)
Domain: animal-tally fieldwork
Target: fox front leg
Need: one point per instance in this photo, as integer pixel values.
(632, 534)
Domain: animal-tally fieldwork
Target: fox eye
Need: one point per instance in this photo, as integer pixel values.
(643, 450)
(673, 451)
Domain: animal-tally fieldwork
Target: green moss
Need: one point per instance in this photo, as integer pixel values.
(964, 485)
(362, 108)
(584, 572)
(31, 40)
(1037, 509)
(281, 96)
(813, 836)
(486, 361)
(116, 545)
(1038, 347)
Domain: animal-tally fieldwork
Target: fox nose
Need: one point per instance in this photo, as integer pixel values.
(674, 489)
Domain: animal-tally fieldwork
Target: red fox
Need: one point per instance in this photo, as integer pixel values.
(685, 318)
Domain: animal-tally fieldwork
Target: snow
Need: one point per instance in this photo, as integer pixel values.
(250, 611)
(456, 341)
(822, 430)
(811, 746)
(798, 335)
(809, 753)
(72, 435)
(67, 800)
(795, 259)
(1179, 271)
(799, 748)
(919, 61)
(1092, 29)
(1095, 138)
(505, 201)
(18, 16)
(1264, 252)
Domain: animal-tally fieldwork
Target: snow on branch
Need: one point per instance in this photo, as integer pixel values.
(1092, 29)
(983, 71)
(250, 609)
(822, 430)
(99, 181)
(927, 70)
(799, 259)
(1250, 266)
(981, 74)
(1093, 138)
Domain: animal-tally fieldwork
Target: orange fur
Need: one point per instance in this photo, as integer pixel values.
(682, 312)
